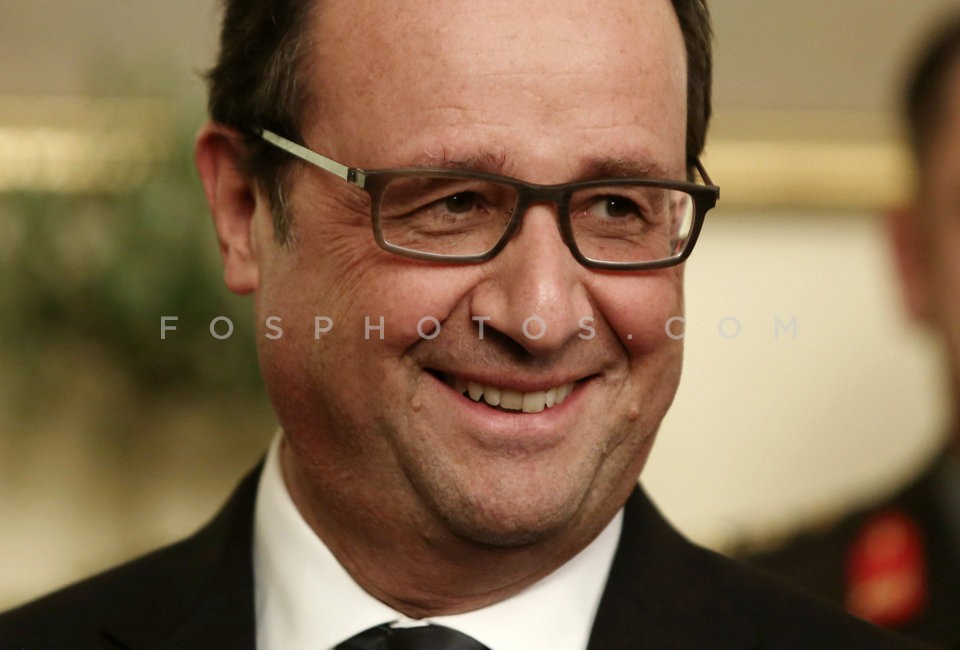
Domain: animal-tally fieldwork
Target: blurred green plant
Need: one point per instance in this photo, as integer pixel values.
(99, 270)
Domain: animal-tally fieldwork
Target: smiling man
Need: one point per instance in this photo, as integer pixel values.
(491, 202)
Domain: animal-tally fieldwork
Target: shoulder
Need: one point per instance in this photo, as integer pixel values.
(670, 593)
(150, 595)
(813, 559)
(79, 614)
(894, 562)
(894, 534)
(786, 618)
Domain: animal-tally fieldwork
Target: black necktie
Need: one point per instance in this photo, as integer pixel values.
(426, 637)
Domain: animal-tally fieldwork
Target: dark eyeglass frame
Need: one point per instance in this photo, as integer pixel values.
(374, 181)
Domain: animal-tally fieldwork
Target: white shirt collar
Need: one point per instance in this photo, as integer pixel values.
(305, 600)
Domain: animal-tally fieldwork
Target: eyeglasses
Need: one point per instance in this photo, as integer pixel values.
(459, 216)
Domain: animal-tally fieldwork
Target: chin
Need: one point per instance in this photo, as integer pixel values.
(502, 534)
(509, 516)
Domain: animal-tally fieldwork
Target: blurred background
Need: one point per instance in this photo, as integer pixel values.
(804, 391)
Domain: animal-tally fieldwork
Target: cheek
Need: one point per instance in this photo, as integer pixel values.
(947, 309)
(337, 267)
(410, 296)
(943, 277)
(639, 307)
(360, 291)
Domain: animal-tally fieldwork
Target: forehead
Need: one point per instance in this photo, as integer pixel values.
(419, 75)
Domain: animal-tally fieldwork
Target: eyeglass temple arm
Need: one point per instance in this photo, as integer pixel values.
(703, 172)
(349, 174)
(356, 176)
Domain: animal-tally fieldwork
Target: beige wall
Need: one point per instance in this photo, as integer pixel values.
(768, 429)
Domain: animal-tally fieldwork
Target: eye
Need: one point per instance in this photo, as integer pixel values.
(615, 207)
(461, 203)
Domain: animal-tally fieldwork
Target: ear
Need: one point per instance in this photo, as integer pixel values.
(904, 227)
(233, 198)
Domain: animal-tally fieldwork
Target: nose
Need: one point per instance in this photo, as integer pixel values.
(535, 291)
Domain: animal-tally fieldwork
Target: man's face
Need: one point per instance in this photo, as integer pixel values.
(542, 91)
(933, 271)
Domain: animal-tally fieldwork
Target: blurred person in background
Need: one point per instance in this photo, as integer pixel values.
(462, 436)
(896, 563)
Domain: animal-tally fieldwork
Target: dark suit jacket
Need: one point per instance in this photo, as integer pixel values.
(816, 561)
(663, 593)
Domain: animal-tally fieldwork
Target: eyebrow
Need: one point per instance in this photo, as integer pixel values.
(497, 163)
(624, 168)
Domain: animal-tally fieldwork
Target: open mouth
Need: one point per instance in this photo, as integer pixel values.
(506, 399)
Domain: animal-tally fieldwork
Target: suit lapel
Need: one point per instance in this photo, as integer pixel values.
(661, 593)
(205, 600)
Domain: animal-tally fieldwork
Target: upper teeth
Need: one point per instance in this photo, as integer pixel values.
(513, 400)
